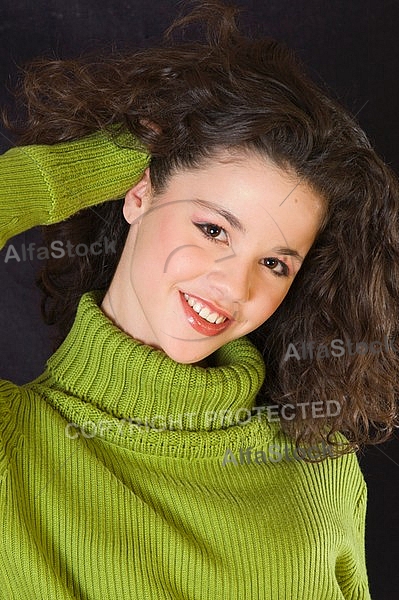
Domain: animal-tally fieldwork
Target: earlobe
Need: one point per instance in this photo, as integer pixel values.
(136, 198)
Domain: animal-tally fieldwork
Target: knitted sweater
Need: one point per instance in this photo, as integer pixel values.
(127, 476)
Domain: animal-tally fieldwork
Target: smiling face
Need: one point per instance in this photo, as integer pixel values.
(211, 257)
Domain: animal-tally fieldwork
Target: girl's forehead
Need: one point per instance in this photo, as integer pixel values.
(251, 196)
(233, 162)
(244, 174)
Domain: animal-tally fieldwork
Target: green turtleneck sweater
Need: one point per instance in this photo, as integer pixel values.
(127, 476)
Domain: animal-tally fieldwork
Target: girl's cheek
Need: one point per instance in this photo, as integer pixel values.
(187, 261)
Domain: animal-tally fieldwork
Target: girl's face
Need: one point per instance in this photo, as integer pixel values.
(210, 258)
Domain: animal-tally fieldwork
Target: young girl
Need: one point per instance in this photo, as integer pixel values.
(156, 457)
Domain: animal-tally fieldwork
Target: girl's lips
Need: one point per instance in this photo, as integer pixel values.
(200, 324)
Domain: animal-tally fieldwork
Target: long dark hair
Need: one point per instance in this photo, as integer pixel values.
(185, 101)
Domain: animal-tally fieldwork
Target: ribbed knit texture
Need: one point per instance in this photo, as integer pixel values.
(98, 500)
(40, 185)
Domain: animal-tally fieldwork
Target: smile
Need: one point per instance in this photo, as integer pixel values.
(204, 311)
(203, 317)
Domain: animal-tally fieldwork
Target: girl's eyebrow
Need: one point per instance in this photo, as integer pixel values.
(230, 218)
(289, 252)
(234, 222)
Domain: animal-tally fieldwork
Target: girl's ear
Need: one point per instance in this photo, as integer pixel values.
(137, 198)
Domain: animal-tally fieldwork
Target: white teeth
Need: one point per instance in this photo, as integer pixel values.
(204, 312)
(212, 317)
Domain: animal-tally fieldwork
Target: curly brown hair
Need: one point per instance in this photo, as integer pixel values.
(185, 101)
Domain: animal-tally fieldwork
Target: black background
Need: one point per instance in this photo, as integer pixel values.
(350, 46)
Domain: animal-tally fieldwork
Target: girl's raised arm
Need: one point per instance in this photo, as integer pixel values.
(45, 184)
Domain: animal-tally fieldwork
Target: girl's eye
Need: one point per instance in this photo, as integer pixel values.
(278, 267)
(213, 232)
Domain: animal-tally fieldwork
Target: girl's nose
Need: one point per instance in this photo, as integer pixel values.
(232, 280)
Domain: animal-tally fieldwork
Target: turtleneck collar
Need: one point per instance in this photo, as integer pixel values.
(101, 365)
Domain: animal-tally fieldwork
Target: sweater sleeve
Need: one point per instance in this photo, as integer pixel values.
(41, 185)
(351, 569)
(362, 589)
(360, 525)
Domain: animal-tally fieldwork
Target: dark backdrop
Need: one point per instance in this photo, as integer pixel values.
(351, 46)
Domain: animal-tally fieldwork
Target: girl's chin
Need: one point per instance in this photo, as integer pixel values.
(185, 357)
(193, 350)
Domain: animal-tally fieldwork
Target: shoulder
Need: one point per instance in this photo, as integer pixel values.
(325, 471)
(8, 391)
(17, 403)
(341, 473)
(10, 395)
